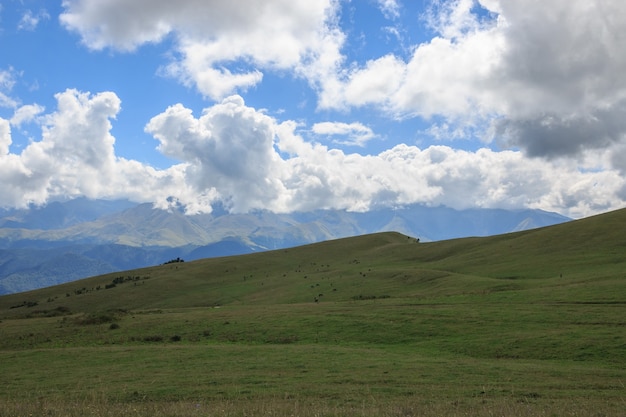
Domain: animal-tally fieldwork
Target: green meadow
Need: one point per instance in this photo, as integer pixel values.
(524, 324)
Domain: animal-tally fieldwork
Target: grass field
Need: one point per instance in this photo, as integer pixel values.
(524, 324)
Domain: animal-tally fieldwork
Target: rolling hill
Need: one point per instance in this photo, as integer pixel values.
(37, 245)
(588, 255)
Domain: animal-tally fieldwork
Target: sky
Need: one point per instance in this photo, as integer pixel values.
(297, 105)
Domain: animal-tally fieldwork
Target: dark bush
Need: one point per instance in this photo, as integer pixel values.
(59, 311)
(175, 338)
(282, 340)
(155, 338)
(173, 261)
(114, 326)
(118, 280)
(26, 304)
(89, 319)
(369, 297)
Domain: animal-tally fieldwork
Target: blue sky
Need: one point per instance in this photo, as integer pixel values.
(291, 105)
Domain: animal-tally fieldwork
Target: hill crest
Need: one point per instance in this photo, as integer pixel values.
(579, 257)
(36, 245)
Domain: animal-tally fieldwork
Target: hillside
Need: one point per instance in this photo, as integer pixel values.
(526, 323)
(141, 225)
(62, 242)
(567, 255)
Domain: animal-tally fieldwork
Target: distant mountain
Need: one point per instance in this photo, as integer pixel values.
(64, 241)
(38, 270)
(26, 269)
(59, 215)
(226, 247)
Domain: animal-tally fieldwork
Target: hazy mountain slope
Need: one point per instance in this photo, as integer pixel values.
(27, 269)
(579, 260)
(60, 215)
(53, 270)
(142, 225)
(225, 247)
(119, 227)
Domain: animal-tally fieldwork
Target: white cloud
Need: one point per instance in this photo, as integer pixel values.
(550, 77)
(26, 113)
(379, 80)
(211, 35)
(514, 64)
(5, 136)
(196, 69)
(390, 8)
(30, 20)
(232, 153)
(75, 154)
(452, 19)
(6, 101)
(7, 81)
(229, 150)
(357, 133)
(443, 77)
(75, 157)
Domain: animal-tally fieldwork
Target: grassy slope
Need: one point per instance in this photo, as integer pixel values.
(532, 319)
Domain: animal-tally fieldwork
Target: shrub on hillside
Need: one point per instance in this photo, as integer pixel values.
(173, 261)
(89, 319)
(155, 338)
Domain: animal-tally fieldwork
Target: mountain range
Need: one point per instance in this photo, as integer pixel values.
(65, 241)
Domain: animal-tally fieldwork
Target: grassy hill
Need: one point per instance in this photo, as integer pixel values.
(528, 323)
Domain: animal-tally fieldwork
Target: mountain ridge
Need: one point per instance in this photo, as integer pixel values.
(585, 253)
(85, 229)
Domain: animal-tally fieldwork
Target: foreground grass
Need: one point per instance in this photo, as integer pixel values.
(280, 407)
(302, 380)
(380, 357)
(528, 324)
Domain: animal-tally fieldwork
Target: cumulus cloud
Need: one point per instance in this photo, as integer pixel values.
(571, 86)
(550, 78)
(322, 177)
(443, 77)
(554, 135)
(76, 149)
(356, 133)
(5, 136)
(545, 76)
(545, 80)
(238, 155)
(74, 157)
(235, 152)
(229, 149)
(210, 35)
(26, 113)
(453, 19)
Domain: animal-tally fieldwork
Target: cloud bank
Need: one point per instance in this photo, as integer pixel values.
(241, 157)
